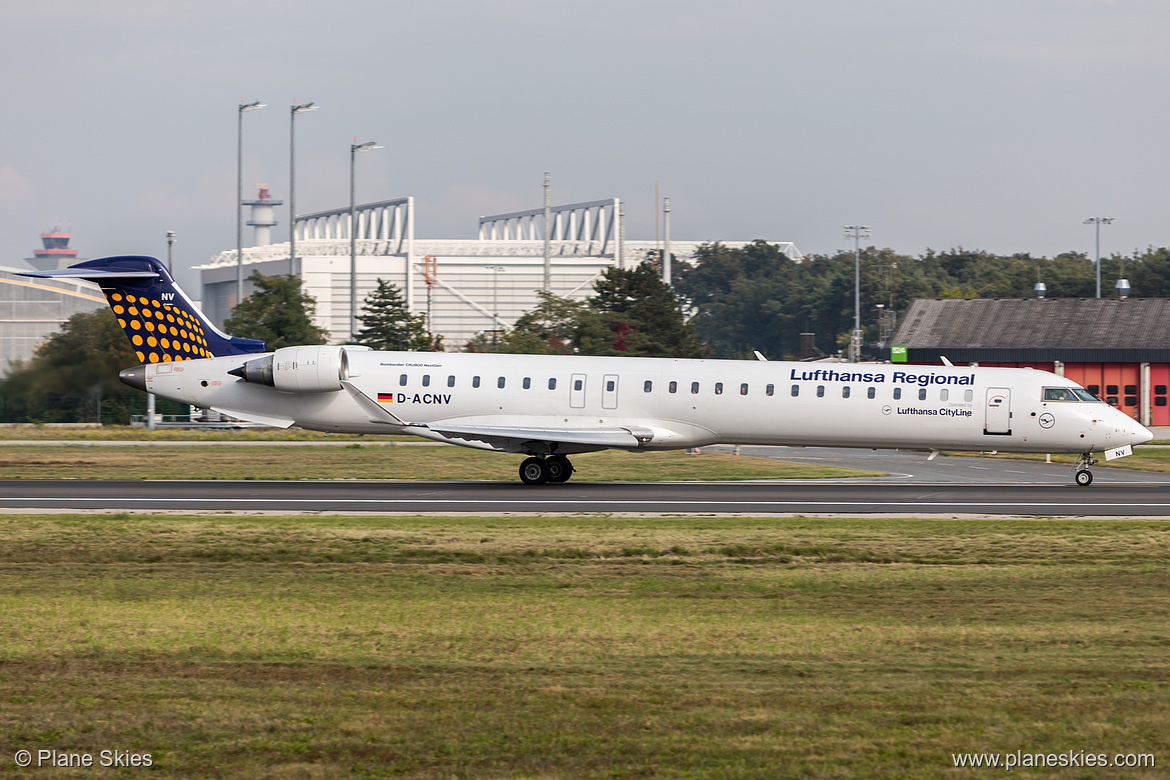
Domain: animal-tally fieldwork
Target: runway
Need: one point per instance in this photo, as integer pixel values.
(915, 485)
(764, 498)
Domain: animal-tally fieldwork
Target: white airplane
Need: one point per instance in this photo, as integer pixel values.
(550, 406)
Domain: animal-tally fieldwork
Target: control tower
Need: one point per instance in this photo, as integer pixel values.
(56, 253)
(263, 216)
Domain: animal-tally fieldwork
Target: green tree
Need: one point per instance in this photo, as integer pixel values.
(388, 325)
(740, 299)
(279, 313)
(549, 329)
(635, 313)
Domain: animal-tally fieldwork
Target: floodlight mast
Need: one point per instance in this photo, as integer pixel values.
(856, 232)
(293, 266)
(1098, 222)
(353, 150)
(243, 108)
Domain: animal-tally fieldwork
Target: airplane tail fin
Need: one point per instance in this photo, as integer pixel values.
(160, 320)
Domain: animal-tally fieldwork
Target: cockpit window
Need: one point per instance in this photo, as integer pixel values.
(1069, 394)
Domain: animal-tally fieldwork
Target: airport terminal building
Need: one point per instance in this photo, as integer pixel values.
(1117, 348)
(466, 287)
(31, 310)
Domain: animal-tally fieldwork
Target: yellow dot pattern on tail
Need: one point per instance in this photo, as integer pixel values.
(160, 331)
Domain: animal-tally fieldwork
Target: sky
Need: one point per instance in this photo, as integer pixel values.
(998, 125)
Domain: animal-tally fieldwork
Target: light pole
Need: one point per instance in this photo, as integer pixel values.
(1098, 222)
(243, 109)
(353, 150)
(496, 271)
(666, 241)
(856, 232)
(547, 227)
(293, 267)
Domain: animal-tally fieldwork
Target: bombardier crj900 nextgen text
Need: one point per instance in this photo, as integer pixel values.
(550, 407)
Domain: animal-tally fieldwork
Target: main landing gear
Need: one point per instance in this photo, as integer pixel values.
(537, 471)
(1082, 474)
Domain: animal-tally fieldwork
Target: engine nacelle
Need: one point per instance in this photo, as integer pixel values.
(313, 369)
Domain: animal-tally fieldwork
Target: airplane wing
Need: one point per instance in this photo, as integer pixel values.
(632, 436)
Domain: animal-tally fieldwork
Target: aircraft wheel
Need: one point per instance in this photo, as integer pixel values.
(559, 468)
(533, 471)
(1084, 477)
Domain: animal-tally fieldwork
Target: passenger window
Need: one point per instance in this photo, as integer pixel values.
(718, 388)
(871, 392)
(475, 381)
(743, 389)
(694, 388)
(552, 384)
(672, 387)
(527, 383)
(647, 386)
(820, 391)
(578, 384)
(500, 383)
(944, 394)
(402, 380)
(922, 394)
(795, 390)
(426, 380)
(897, 393)
(451, 381)
(845, 391)
(770, 390)
(968, 395)
(609, 386)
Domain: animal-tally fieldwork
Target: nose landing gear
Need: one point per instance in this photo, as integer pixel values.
(1082, 475)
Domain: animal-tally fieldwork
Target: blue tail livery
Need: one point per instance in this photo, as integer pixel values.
(156, 315)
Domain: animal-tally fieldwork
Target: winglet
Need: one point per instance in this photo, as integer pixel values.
(162, 323)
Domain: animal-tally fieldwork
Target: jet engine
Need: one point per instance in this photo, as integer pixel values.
(315, 369)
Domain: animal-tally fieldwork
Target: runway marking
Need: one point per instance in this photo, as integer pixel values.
(1075, 506)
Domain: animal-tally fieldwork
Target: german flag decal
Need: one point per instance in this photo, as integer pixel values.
(385, 398)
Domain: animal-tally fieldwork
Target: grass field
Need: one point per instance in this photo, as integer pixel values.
(323, 647)
(359, 461)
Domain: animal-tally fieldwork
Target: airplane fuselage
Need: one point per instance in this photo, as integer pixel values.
(512, 403)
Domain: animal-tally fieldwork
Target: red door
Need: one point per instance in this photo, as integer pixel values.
(1159, 384)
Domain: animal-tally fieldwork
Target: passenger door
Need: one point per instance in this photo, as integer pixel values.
(997, 420)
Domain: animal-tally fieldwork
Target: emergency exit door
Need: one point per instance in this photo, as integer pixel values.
(997, 420)
(577, 391)
(609, 391)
